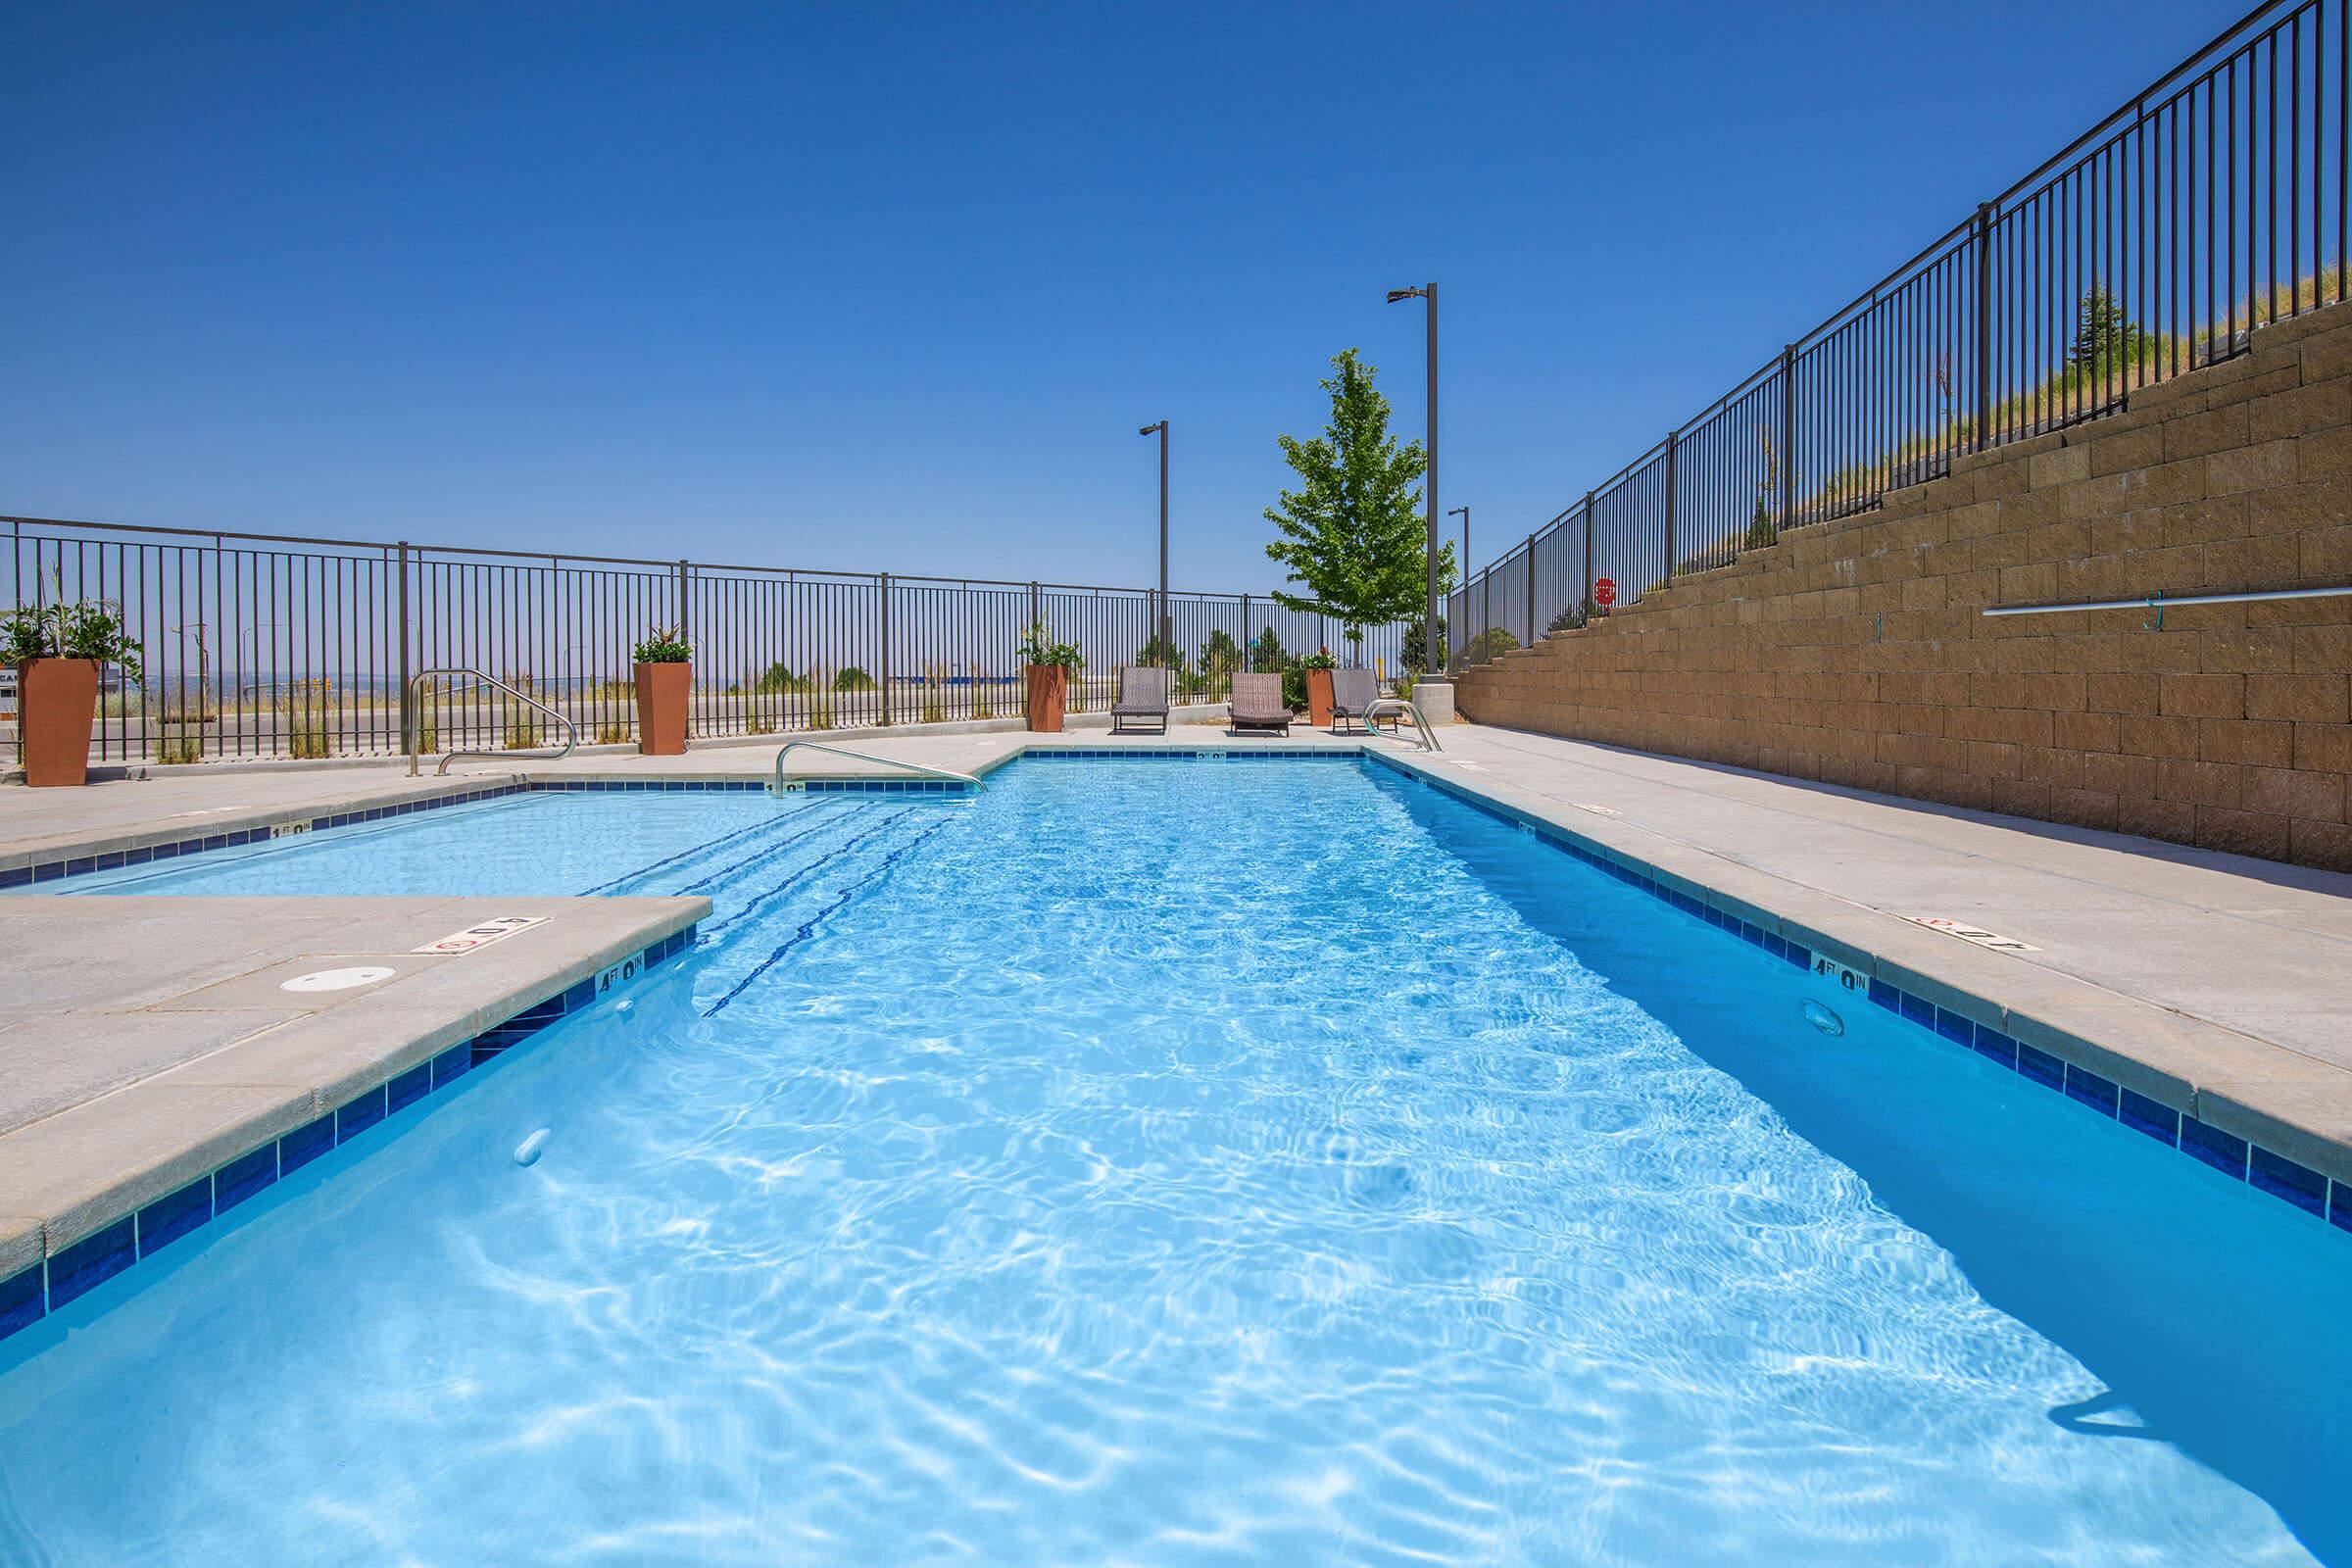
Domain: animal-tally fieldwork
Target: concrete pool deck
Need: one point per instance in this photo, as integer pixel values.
(147, 1040)
(2218, 984)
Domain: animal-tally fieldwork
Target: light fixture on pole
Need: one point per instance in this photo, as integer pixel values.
(1428, 625)
(1165, 652)
(1463, 512)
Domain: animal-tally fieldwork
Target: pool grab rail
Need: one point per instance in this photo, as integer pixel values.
(1396, 705)
(409, 724)
(778, 785)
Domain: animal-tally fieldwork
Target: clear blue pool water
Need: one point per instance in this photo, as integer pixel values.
(1184, 1163)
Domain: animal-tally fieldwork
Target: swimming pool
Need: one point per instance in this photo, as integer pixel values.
(1185, 1162)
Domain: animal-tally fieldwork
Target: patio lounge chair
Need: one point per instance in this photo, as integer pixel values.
(1257, 703)
(1143, 700)
(1352, 692)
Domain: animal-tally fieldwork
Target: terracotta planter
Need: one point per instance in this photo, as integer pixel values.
(1049, 692)
(1318, 698)
(57, 702)
(662, 699)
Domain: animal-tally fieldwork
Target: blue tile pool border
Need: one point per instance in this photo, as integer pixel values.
(73, 863)
(73, 1271)
(1975, 1025)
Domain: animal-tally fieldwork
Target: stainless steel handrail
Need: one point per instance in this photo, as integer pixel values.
(571, 734)
(2169, 600)
(1403, 704)
(777, 786)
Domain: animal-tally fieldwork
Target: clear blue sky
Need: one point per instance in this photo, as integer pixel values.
(870, 286)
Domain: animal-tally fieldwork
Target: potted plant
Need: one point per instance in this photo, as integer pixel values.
(1319, 665)
(57, 651)
(664, 670)
(1049, 677)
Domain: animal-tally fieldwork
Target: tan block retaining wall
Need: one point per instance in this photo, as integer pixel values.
(1854, 652)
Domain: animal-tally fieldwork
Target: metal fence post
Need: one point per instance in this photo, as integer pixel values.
(1787, 435)
(1248, 643)
(1531, 588)
(408, 727)
(1584, 594)
(1671, 443)
(1984, 367)
(684, 616)
(882, 583)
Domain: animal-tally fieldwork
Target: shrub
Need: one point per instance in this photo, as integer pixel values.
(664, 646)
(523, 733)
(761, 724)
(1037, 648)
(91, 629)
(612, 732)
(820, 711)
(174, 749)
(853, 679)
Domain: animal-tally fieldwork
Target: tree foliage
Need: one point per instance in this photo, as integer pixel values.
(1352, 535)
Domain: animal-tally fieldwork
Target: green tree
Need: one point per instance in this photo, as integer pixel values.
(1353, 536)
(1220, 653)
(2103, 336)
(853, 679)
(1265, 652)
(1410, 650)
(773, 680)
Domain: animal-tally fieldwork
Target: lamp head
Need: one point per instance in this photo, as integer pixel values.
(1397, 294)
(1152, 429)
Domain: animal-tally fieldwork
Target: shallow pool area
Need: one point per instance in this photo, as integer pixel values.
(1183, 1162)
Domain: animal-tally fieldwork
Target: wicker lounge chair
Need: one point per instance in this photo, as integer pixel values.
(1257, 703)
(1352, 692)
(1143, 700)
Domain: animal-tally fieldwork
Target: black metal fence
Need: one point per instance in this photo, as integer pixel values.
(255, 645)
(2211, 202)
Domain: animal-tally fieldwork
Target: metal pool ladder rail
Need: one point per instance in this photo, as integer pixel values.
(571, 735)
(1393, 705)
(779, 786)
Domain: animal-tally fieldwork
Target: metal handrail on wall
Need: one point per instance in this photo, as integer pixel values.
(2164, 602)
(410, 727)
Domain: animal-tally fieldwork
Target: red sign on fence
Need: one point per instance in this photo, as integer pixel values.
(1604, 591)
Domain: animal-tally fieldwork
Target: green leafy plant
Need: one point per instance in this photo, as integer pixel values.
(666, 646)
(1352, 535)
(1491, 643)
(90, 629)
(773, 680)
(1320, 659)
(853, 679)
(1038, 648)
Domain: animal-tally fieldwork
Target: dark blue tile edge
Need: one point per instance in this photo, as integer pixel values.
(71, 1272)
(2260, 1169)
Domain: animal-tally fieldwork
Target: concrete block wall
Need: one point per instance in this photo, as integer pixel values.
(1855, 652)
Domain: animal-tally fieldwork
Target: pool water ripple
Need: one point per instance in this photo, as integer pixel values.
(1201, 1165)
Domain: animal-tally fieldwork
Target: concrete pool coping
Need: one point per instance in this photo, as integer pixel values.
(150, 1041)
(2218, 985)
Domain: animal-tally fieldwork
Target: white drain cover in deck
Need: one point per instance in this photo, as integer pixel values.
(338, 979)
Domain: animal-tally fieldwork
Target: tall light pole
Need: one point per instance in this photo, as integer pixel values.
(1166, 641)
(1429, 623)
